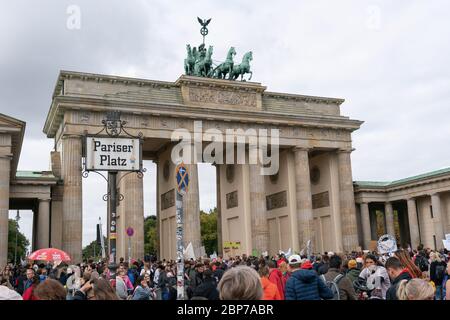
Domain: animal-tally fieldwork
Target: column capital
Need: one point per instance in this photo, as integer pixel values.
(72, 136)
(301, 148)
(411, 198)
(8, 156)
(44, 199)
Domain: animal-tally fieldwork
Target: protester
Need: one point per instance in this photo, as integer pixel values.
(344, 285)
(142, 291)
(50, 290)
(353, 270)
(270, 289)
(408, 263)
(208, 288)
(9, 294)
(397, 273)
(375, 276)
(30, 287)
(276, 277)
(304, 283)
(240, 283)
(415, 289)
(437, 273)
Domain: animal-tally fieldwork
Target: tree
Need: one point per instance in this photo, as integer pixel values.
(22, 241)
(150, 235)
(93, 250)
(208, 230)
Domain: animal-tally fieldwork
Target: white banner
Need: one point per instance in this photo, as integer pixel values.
(113, 154)
(387, 244)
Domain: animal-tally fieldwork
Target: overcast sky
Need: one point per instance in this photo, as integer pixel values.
(388, 59)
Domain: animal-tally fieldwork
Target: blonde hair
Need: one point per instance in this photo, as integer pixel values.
(240, 283)
(415, 289)
(435, 256)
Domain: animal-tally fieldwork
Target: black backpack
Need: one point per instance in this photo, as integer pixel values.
(334, 286)
(422, 263)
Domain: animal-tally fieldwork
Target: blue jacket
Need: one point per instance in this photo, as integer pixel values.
(306, 285)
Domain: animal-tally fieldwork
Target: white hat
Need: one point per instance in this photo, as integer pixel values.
(295, 259)
(8, 294)
(330, 253)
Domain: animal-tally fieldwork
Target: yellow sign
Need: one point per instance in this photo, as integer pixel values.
(232, 245)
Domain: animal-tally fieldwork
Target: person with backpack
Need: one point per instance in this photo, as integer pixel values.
(304, 283)
(397, 272)
(437, 273)
(340, 285)
(422, 261)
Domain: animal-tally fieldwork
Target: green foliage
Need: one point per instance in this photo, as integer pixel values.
(93, 250)
(150, 235)
(22, 241)
(208, 227)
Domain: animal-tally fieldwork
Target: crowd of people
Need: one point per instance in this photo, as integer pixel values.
(421, 274)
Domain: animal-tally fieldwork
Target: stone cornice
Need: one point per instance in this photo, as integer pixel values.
(183, 80)
(303, 98)
(401, 186)
(62, 103)
(63, 75)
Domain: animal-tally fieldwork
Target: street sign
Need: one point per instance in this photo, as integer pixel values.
(130, 231)
(182, 177)
(113, 154)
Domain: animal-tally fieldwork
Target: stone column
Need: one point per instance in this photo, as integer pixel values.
(191, 210)
(5, 163)
(259, 225)
(132, 213)
(389, 214)
(365, 221)
(413, 223)
(72, 198)
(438, 220)
(158, 215)
(347, 201)
(43, 224)
(219, 213)
(303, 194)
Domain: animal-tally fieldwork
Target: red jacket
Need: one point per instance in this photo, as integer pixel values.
(29, 294)
(276, 277)
(270, 290)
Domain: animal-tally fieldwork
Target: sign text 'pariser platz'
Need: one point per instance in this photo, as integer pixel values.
(113, 154)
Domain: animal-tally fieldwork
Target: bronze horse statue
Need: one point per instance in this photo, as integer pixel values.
(242, 68)
(226, 67)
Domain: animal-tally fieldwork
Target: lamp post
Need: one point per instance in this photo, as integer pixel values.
(17, 231)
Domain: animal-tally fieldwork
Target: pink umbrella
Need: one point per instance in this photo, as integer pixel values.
(49, 254)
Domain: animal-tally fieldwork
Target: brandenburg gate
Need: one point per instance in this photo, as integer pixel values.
(310, 198)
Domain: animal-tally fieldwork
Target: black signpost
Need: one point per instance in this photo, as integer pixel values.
(113, 126)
